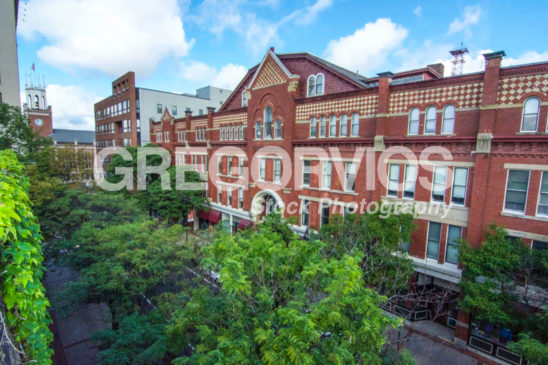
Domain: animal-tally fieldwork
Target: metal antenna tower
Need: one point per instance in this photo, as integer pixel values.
(458, 60)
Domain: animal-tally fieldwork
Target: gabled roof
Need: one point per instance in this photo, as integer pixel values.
(271, 54)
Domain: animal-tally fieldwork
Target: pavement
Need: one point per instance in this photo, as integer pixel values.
(72, 343)
(431, 344)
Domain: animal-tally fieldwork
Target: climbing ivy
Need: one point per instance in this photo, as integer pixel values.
(21, 264)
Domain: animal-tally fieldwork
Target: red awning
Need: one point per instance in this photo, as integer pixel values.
(244, 224)
(203, 214)
(214, 216)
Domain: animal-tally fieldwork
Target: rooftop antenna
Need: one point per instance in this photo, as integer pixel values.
(458, 60)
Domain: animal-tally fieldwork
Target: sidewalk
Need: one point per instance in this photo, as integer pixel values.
(431, 344)
(72, 343)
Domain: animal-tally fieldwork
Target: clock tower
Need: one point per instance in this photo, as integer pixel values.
(37, 108)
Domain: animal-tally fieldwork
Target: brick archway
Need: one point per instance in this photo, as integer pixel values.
(262, 200)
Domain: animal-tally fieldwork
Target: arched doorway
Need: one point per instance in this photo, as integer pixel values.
(265, 202)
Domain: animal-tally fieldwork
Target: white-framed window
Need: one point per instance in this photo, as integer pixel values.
(244, 98)
(219, 165)
(516, 190)
(460, 179)
(529, 120)
(438, 184)
(241, 131)
(240, 166)
(304, 212)
(393, 180)
(268, 122)
(350, 176)
(229, 196)
(158, 137)
(355, 130)
(430, 120)
(306, 173)
(433, 244)
(454, 233)
(277, 170)
(410, 181)
(278, 129)
(241, 198)
(174, 109)
(326, 175)
(319, 84)
(222, 129)
(159, 108)
(166, 135)
(262, 170)
(542, 208)
(325, 214)
(332, 126)
(229, 165)
(414, 116)
(343, 132)
(323, 126)
(312, 127)
(231, 132)
(448, 123)
(311, 85)
(258, 129)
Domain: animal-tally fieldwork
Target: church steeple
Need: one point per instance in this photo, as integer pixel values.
(36, 106)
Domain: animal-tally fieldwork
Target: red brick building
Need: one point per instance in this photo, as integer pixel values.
(492, 125)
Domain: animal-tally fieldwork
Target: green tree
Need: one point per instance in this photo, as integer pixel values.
(498, 278)
(21, 266)
(378, 238)
(16, 134)
(279, 302)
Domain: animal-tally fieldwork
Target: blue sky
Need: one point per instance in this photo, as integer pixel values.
(81, 46)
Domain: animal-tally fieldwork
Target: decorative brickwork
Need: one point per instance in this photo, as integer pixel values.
(365, 106)
(270, 74)
(239, 118)
(464, 96)
(512, 89)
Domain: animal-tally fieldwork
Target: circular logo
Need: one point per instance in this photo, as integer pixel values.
(39, 122)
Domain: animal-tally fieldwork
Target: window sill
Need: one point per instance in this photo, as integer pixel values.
(530, 133)
(539, 218)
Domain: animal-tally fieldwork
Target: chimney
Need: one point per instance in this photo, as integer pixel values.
(272, 49)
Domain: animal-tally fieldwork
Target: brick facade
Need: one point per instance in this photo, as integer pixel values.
(486, 142)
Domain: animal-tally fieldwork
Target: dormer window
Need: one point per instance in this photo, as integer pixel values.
(244, 99)
(315, 85)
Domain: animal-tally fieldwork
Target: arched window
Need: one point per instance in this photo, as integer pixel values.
(430, 120)
(323, 125)
(278, 129)
(413, 121)
(244, 98)
(344, 126)
(311, 85)
(332, 126)
(36, 102)
(258, 128)
(30, 101)
(241, 131)
(355, 130)
(313, 127)
(448, 123)
(529, 121)
(268, 122)
(319, 84)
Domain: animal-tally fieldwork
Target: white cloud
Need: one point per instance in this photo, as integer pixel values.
(368, 47)
(425, 54)
(238, 16)
(470, 17)
(228, 77)
(105, 35)
(72, 106)
(418, 10)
